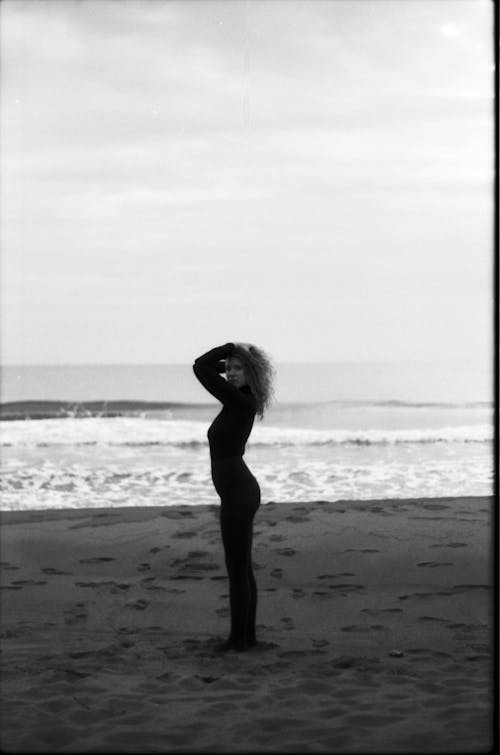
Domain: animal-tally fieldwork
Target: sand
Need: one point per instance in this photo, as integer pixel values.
(375, 619)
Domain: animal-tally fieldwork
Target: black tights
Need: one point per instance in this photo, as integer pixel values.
(239, 503)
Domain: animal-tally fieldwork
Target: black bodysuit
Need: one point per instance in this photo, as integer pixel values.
(237, 487)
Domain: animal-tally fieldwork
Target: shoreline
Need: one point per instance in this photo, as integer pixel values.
(17, 516)
(375, 619)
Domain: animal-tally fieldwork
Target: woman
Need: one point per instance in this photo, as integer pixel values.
(246, 392)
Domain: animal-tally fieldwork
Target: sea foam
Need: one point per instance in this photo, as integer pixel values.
(140, 431)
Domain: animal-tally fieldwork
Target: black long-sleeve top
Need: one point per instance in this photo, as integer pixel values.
(228, 433)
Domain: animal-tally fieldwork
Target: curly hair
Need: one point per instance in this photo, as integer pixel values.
(260, 374)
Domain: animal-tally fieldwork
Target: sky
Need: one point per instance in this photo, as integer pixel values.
(315, 177)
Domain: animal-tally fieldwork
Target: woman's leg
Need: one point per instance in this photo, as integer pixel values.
(252, 608)
(236, 518)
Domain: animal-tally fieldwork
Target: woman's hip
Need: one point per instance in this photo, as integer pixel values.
(239, 503)
(232, 473)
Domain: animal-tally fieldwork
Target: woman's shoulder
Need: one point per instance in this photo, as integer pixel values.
(251, 402)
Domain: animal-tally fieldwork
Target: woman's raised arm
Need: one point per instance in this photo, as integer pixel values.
(207, 369)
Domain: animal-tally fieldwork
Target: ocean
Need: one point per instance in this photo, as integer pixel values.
(135, 435)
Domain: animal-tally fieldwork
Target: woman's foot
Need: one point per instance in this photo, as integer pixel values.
(261, 645)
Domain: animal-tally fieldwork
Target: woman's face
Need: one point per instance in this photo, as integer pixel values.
(235, 372)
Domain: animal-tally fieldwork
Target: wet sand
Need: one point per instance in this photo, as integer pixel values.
(375, 620)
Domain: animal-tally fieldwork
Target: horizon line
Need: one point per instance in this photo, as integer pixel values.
(484, 359)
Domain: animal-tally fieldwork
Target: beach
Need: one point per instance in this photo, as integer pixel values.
(375, 622)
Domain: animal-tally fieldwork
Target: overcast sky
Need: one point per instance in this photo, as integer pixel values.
(315, 177)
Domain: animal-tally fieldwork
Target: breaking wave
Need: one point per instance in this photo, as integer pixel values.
(186, 434)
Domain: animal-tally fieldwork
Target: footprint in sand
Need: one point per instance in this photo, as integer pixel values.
(433, 619)
(222, 611)
(465, 588)
(468, 627)
(277, 573)
(29, 582)
(200, 566)
(346, 588)
(191, 642)
(51, 570)
(361, 550)
(147, 584)
(378, 611)
(79, 654)
(116, 587)
(127, 644)
(166, 677)
(363, 628)
(144, 567)
(153, 629)
(477, 658)
(346, 662)
(177, 562)
(297, 592)
(286, 552)
(76, 615)
(106, 583)
(434, 564)
(423, 595)
(198, 554)
(335, 576)
(96, 560)
(184, 534)
(426, 651)
(139, 605)
(270, 524)
(9, 567)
